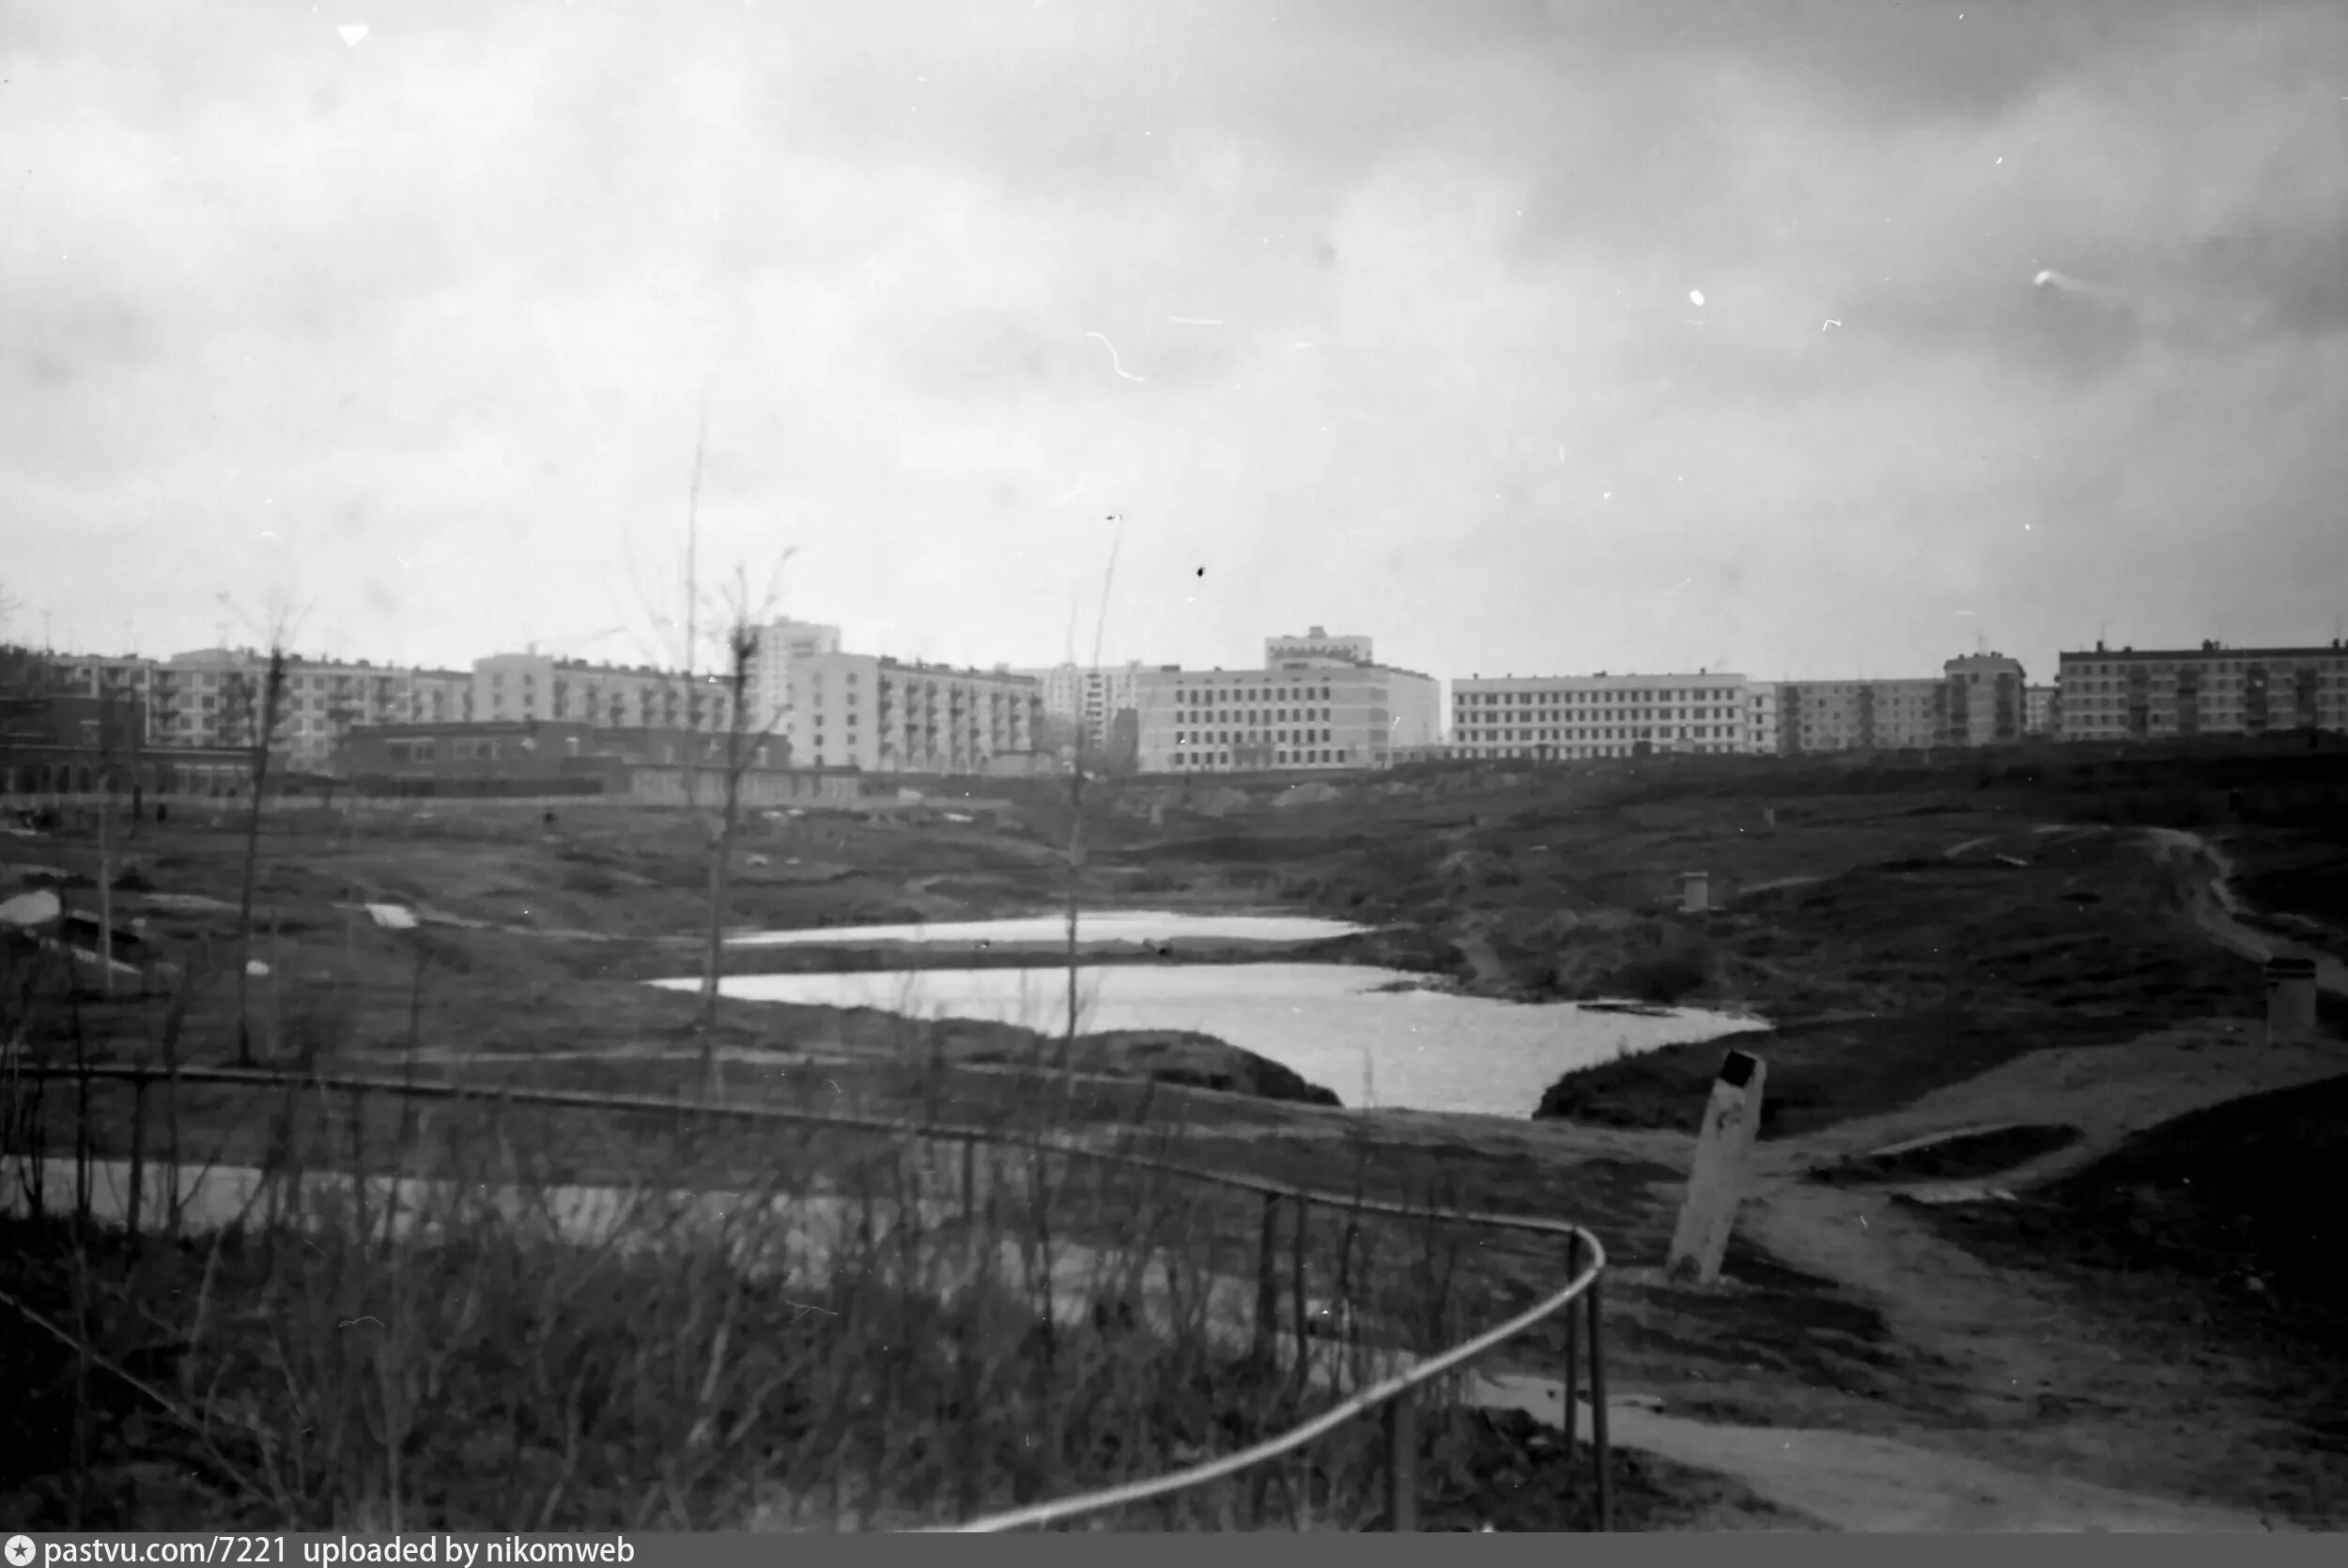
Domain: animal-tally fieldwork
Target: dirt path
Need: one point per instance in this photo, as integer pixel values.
(2052, 1422)
(1849, 1481)
(2036, 1378)
(2217, 910)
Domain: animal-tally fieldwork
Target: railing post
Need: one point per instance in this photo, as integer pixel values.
(970, 1211)
(1573, 1354)
(1599, 1445)
(138, 1154)
(1402, 1463)
(1296, 1293)
(1268, 1279)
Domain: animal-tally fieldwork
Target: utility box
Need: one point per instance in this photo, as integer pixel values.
(2289, 999)
(1695, 892)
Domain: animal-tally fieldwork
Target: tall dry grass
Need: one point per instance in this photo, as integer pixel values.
(473, 1314)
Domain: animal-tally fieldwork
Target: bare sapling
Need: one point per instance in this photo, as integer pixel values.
(105, 837)
(1076, 818)
(692, 604)
(742, 746)
(268, 701)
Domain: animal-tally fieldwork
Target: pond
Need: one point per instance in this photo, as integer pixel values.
(1094, 929)
(1332, 1023)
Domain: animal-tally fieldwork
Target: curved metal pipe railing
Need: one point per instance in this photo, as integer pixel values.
(1392, 1395)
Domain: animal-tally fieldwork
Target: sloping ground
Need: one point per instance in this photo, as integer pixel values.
(1947, 1157)
(1948, 969)
(2302, 872)
(2235, 1195)
(1923, 993)
(2157, 1309)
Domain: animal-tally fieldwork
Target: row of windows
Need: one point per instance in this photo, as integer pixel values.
(1674, 694)
(1704, 732)
(1307, 757)
(1596, 716)
(1582, 752)
(1598, 712)
(2167, 666)
(1190, 697)
(1228, 737)
(1254, 715)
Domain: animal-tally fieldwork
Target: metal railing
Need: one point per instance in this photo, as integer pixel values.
(1584, 1258)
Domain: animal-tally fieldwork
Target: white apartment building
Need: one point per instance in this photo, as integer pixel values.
(1313, 708)
(1088, 699)
(2123, 694)
(535, 685)
(779, 643)
(1571, 718)
(887, 716)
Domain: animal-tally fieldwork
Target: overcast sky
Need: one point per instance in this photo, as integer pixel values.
(1373, 314)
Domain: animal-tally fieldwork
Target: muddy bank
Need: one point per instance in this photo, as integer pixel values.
(1166, 1056)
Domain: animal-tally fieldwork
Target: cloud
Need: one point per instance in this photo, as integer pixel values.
(478, 274)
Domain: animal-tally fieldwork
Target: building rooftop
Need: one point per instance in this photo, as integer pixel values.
(924, 666)
(2206, 650)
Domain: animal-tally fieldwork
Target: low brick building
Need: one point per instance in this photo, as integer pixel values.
(555, 757)
(52, 746)
(525, 756)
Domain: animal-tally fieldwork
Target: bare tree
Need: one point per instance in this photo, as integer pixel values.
(261, 710)
(1076, 814)
(109, 773)
(743, 631)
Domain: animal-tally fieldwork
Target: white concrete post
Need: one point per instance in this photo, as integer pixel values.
(1710, 1211)
(1695, 892)
(2289, 999)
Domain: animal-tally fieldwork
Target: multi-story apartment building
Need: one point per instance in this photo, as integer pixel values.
(779, 644)
(887, 716)
(534, 685)
(1760, 734)
(1086, 702)
(1984, 701)
(1859, 715)
(1570, 717)
(218, 697)
(2037, 710)
(118, 677)
(1318, 702)
(2160, 694)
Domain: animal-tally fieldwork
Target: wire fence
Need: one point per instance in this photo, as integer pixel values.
(1393, 1397)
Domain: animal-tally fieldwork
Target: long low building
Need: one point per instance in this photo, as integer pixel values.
(1317, 703)
(2127, 694)
(1570, 717)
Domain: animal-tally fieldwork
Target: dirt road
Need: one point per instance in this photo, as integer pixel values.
(2061, 1421)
